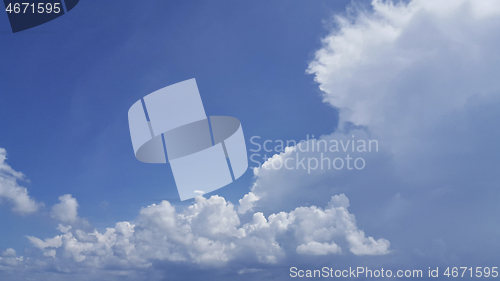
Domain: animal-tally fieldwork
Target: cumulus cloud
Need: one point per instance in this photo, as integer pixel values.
(419, 77)
(404, 68)
(312, 171)
(9, 259)
(9, 253)
(210, 233)
(12, 191)
(247, 202)
(65, 211)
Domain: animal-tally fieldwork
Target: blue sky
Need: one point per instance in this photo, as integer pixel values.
(69, 84)
(419, 77)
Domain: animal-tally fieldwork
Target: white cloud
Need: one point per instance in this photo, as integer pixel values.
(316, 248)
(362, 245)
(403, 68)
(279, 188)
(418, 77)
(55, 242)
(9, 253)
(247, 202)
(65, 211)
(209, 233)
(421, 79)
(12, 191)
(9, 259)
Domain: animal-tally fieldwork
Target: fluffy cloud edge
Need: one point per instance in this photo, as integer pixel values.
(209, 233)
(10, 189)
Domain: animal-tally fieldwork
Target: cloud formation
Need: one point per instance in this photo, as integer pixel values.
(208, 233)
(12, 191)
(65, 211)
(420, 78)
(425, 59)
